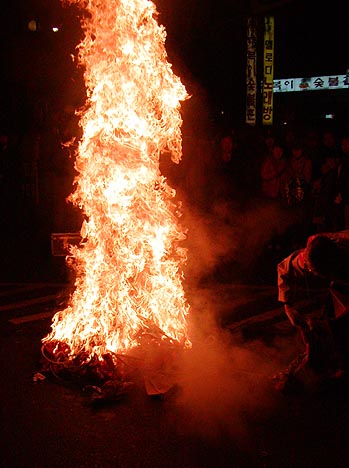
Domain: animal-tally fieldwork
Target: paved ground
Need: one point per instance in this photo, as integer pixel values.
(223, 411)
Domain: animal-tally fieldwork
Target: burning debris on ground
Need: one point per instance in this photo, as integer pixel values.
(153, 365)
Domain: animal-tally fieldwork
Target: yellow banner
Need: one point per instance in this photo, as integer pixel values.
(268, 71)
(251, 71)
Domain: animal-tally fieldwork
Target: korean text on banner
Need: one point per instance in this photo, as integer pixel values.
(251, 71)
(268, 71)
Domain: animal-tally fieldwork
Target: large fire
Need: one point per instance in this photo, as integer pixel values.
(129, 278)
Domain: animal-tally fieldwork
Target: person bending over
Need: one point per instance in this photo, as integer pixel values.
(325, 338)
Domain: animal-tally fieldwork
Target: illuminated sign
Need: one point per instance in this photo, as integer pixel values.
(311, 84)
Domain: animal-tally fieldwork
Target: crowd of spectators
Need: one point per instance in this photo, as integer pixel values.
(310, 174)
(299, 175)
(275, 184)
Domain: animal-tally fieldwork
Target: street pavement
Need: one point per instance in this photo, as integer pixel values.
(222, 412)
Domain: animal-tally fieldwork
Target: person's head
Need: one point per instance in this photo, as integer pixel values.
(297, 148)
(269, 142)
(227, 143)
(327, 258)
(3, 141)
(345, 144)
(331, 161)
(278, 150)
(329, 139)
(312, 140)
(228, 146)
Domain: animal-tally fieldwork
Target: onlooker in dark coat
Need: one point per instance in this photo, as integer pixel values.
(272, 169)
(295, 187)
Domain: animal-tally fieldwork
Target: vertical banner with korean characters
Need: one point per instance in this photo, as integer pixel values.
(268, 71)
(251, 71)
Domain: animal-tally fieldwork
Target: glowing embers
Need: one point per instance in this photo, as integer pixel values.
(154, 365)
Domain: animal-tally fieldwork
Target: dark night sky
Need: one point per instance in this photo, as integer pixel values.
(310, 39)
(206, 42)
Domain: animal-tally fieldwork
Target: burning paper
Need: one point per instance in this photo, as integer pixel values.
(129, 265)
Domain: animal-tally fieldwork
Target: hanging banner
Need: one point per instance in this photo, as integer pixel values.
(268, 71)
(314, 83)
(251, 71)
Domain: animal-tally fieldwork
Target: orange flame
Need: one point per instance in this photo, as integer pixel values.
(129, 265)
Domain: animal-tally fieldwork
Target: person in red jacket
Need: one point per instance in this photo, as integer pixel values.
(326, 338)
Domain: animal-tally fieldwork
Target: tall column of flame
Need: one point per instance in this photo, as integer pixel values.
(129, 266)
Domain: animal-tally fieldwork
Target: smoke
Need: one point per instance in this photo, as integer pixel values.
(225, 388)
(224, 384)
(256, 224)
(220, 231)
(209, 241)
(231, 237)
